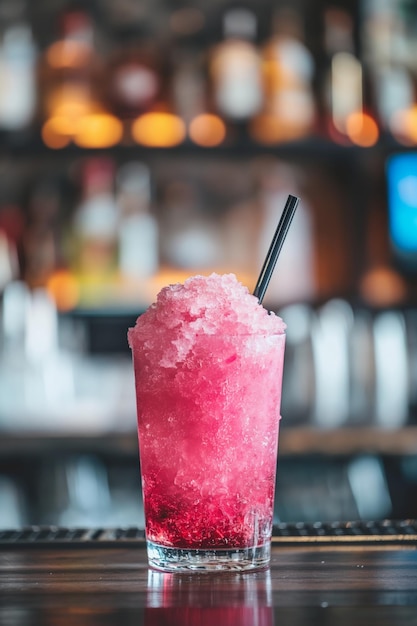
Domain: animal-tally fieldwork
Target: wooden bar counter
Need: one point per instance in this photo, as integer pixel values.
(320, 579)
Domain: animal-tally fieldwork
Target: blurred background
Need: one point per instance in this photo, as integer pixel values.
(142, 141)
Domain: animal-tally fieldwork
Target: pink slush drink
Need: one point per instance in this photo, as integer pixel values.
(208, 362)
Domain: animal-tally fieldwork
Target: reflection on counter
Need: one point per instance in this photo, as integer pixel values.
(244, 600)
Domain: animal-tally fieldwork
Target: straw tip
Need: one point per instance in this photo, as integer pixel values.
(275, 247)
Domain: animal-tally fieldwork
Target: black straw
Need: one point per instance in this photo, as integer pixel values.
(275, 247)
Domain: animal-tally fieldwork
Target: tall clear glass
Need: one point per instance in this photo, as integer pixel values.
(208, 441)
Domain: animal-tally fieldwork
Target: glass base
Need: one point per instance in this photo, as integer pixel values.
(214, 560)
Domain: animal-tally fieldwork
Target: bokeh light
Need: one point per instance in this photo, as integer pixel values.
(362, 129)
(207, 130)
(159, 130)
(98, 130)
(56, 132)
(403, 125)
(63, 287)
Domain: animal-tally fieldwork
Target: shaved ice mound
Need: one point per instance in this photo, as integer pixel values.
(203, 305)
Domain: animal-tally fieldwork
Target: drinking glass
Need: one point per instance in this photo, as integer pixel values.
(208, 441)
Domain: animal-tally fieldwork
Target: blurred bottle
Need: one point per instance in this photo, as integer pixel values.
(362, 368)
(7, 262)
(11, 231)
(95, 228)
(390, 56)
(348, 120)
(331, 336)
(235, 67)
(68, 76)
(71, 78)
(134, 80)
(343, 86)
(299, 381)
(12, 505)
(38, 374)
(391, 369)
(138, 229)
(13, 313)
(41, 242)
(188, 84)
(156, 123)
(190, 239)
(288, 71)
(192, 100)
(17, 68)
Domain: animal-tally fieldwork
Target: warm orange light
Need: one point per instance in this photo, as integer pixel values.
(56, 132)
(64, 289)
(62, 125)
(207, 130)
(69, 100)
(68, 54)
(403, 125)
(382, 286)
(362, 129)
(270, 129)
(158, 130)
(98, 130)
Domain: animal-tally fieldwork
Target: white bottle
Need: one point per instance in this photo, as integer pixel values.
(138, 228)
(288, 72)
(17, 78)
(236, 68)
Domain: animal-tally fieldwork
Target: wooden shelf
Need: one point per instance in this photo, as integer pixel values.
(349, 441)
(29, 145)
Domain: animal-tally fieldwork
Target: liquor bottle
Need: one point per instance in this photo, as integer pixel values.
(154, 121)
(41, 240)
(7, 261)
(192, 101)
(350, 116)
(235, 68)
(343, 88)
(17, 70)
(138, 246)
(67, 71)
(134, 82)
(288, 72)
(389, 56)
(94, 239)
(11, 230)
(71, 82)
(190, 238)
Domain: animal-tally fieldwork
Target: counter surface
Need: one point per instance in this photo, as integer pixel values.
(307, 583)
